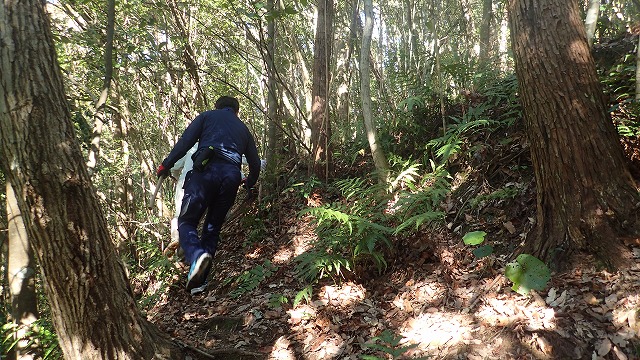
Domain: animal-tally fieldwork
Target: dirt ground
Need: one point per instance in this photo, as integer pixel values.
(435, 301)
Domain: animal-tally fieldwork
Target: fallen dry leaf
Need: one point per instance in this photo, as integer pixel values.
(510, 228)
(604, 347)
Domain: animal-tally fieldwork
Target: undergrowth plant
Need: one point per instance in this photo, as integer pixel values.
(502, 98)
(499, 108)
(508, 191)
(391, 345)
(359, 226)
(41, 339)
(349, 231)
(526, 272)
(419, 199)
(456, 133)
(251, 279)
(151, 268)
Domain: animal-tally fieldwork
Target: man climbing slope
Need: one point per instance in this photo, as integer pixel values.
(179, 172)
(213, 183)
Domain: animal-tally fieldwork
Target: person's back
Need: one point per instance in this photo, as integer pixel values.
(213, 183)
(222, 136)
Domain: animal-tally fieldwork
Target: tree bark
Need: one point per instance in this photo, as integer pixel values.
(21, 276)
(320, 123)
(344, 87)
(638, 70)
(485, 31)
(379, 158)
(272, 101)
(591, 20)
(92, 305)
(585, 194)
(198, 95)
(99, 117)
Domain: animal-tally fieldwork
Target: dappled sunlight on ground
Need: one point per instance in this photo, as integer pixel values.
(282, 350)
(318, 323)
(434, 295)
(433, 331)
(507, 312)
(348, 294)
(302, 236)
(447, 315)
(283, 256)
(255, 254)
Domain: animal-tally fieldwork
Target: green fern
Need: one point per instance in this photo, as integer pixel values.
(421, 203)
(303, 295)
(315, 265)
(406, 177)
(277, 300)
(451, 142)
(389, 343)
(350, 231)
(250, 279)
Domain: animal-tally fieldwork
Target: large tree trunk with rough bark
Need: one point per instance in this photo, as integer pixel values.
(92, 305)
(320, 123)
(585, 195)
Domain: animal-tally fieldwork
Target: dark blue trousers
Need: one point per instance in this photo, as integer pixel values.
(212, 191)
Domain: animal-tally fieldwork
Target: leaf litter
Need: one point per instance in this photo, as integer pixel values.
(452, 311)
(435, 300)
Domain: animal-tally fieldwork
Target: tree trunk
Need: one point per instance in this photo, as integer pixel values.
(585, 194)
(638, 70)
(272, 101)
(485, 31)
(320, 123)
(99, 118)
(21, 276)
(92, 305)
(379, 158)
(413, 31)
(124, 183)
(344, 98)
(592, 20)
(198, 95)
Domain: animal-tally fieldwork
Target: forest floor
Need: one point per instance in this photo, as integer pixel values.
(435, 300)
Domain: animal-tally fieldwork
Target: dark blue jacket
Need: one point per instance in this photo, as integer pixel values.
(226, 133)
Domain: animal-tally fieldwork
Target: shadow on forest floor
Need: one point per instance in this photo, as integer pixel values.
(435, 295)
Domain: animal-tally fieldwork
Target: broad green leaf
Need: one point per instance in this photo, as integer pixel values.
(483, 251)
(527, 273)
(474, 238)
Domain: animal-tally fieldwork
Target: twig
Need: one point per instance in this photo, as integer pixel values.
(484, 291)
(216, 353)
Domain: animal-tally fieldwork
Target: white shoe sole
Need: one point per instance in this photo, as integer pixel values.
(199, 275)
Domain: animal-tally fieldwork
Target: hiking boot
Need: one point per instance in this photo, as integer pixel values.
(199, 271)
(199, 289)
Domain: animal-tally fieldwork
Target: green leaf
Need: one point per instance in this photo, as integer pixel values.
(483, 251)
(474, 238)
(527, 273)
(290, 10)
(304, 294)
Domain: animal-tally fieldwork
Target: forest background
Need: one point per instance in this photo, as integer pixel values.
(393, 134)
